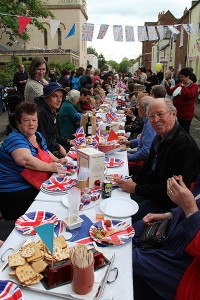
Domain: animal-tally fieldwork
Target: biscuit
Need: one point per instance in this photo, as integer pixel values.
(60, 240)
(25, 273)
(39, 266)
(28, 250)
(37, 255)
(15, 260)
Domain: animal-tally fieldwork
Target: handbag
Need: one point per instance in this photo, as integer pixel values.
(154, 235)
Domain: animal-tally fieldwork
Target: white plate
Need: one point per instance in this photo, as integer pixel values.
(119, 207)
(177, 91)
(65, 202)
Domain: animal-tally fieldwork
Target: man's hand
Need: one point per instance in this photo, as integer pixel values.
(181, 195)
(127, 185)
(149, 219)
(62, 150)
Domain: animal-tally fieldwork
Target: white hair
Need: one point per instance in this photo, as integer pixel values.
(73, 95)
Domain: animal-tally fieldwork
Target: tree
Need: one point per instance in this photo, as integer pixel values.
(91, 50)
(114, 65)
(124, 65)
(102, 63)
(26, 8)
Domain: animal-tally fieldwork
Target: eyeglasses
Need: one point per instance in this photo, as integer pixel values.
(138, 106)
(159, 115)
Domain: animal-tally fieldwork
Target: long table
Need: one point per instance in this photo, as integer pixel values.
(122, 288)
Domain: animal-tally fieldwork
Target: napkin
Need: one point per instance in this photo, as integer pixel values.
(72, 154)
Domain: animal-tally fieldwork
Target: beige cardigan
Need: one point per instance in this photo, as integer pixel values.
(33, 89)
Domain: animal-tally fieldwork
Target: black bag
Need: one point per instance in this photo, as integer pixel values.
(154, 235)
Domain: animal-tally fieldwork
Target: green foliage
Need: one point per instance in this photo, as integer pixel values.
(114, 65)
(91, 50)
(26, 8)
(68, 66)
(102, 63)
(124, 65)
(6, 77)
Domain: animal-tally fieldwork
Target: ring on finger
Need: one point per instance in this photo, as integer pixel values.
(170, 191)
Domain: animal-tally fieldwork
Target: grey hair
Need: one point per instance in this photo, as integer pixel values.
(145, 101)
(168, 102)
(73, 95)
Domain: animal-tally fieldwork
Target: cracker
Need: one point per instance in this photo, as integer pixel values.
(39, 266)
(60, 254)
(60, 240)
(40, 245)
(15, 260)
(37, 255)
(36, 280)
(12, 273)
(28, 250)
(25, 273)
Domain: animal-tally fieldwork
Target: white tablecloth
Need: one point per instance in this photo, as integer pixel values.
(122, 288)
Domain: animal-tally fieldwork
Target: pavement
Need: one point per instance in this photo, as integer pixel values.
(194, 129)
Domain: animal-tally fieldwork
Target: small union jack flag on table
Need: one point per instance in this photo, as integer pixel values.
(80, 136)
(10, 291)
(28, 221)
(113, 162)
(58, 184)
(110, 116)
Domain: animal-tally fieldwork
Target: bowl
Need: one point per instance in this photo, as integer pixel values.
(74, 222)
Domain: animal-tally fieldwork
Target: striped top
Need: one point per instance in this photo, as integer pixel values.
(10, 178)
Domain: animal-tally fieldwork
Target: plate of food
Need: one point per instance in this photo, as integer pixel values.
(111, 232)
(113, 177)
(28, 221)
(58, 184)
(112, 162)
(9, 290)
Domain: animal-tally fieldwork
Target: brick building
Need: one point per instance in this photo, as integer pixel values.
(163, 19)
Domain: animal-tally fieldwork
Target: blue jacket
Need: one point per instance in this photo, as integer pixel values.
(143, 144)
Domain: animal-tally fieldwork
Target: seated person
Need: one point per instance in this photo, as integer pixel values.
(172, 152)
(25, 162)
(69, 115)
(170, 270)
(143, 143)
(83, 104)
(48, 103)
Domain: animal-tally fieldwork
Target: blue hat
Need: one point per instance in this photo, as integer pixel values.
(52, 87)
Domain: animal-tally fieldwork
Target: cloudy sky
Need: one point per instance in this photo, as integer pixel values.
(127, 12)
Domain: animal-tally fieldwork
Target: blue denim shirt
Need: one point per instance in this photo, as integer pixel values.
(143, 144)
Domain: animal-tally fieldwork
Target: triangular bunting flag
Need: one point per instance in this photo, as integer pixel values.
(23, 22)
(112, 136)
(187, 28)
(54, 27)
(46, 232)
(72, 31)
(161, 32)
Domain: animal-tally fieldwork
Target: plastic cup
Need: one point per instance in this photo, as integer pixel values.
(61, 171)
(99, 213)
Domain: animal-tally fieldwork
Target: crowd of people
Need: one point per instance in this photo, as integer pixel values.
(164, 160)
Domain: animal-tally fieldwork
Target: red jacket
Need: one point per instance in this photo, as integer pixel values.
(184, 102)
(189, 287)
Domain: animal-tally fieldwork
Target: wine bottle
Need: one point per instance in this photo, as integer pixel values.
(88, 127)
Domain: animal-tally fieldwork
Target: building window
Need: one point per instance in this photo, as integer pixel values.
(181, 37)
(59, 38)
(45, 37)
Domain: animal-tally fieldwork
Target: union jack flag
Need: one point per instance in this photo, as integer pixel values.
(87, 32)
(95, 144)
(27, 222)
(80, 136)
(142, 34)
(187, 28)
(113, 162)
(129, 32)
(102, 31)
(10, 291)
(118, 33)
(58, 184)
(152, 33)
(110, 116)
(98, 135)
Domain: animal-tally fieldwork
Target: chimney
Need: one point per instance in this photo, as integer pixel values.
(185, 11)
(160, 15)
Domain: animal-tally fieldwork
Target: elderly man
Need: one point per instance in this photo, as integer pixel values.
(143, 143)
(173, 152)
(48, 103)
